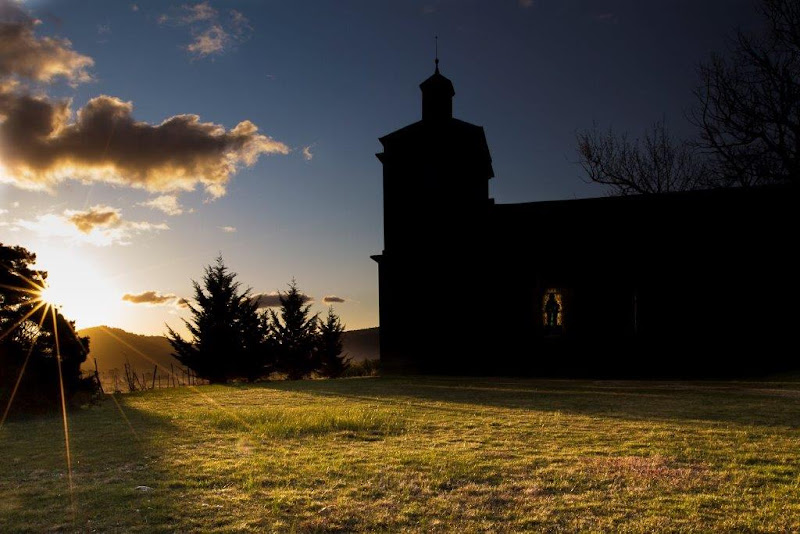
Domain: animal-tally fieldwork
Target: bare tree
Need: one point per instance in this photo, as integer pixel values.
(657, 163)
(748, 109)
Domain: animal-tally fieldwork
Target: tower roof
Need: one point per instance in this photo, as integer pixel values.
(437, 97)
(438, 84)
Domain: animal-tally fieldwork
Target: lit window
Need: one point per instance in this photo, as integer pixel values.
(553, 310)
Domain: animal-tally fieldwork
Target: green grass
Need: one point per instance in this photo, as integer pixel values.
(414, 455)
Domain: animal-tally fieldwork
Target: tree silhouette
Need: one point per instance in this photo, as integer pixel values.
(33, 335)
(747, 115)
(748, 108)
(227, 338)
(330, 345)
(657, 163)
(293, 334)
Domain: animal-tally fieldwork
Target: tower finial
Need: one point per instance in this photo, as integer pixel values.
(436, 39)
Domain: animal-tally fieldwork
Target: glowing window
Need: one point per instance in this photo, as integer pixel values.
(552, 309)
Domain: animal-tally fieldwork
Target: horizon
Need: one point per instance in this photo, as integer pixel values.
(300, 197)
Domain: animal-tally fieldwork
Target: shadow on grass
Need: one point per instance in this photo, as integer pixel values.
(749, 403)
(115, 452)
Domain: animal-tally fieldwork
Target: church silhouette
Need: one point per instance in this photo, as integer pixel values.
(686, 284)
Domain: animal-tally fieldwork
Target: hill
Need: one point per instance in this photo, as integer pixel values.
(112, 347)
(362, 344)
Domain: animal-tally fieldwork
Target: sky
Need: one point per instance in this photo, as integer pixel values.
(141, 140)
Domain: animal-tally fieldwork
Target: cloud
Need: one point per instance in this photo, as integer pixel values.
(330, 299)
(525, 4)
(96, 217)
(273, 300)
(154, 298)
(240, 25)
(211, 41)
(307, 154)
(42, 59)
(103, 29)
(44, 142)
(40, 147)
(228, 229)
(198, 13)
(167, 203)
(134, 7)
(99, 226)
(211, 34)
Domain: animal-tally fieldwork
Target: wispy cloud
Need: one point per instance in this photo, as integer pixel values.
(228, 229)
(211, 41)
(525, 4)
(212, 33)
(307, 154)
(331, 299)
(167, 203)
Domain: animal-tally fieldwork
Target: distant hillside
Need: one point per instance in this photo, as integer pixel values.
(112, 347)
(362, 344)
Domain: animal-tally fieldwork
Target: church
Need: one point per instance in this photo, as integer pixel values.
(685, 284)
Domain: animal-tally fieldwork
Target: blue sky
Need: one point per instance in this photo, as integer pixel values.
(324, 80)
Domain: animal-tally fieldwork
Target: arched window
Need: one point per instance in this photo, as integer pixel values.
(553, 311)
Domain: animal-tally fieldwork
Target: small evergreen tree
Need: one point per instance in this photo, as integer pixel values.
(330, 344)
(227, 338)
(293, 335)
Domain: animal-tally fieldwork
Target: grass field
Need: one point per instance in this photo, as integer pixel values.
(414, 455)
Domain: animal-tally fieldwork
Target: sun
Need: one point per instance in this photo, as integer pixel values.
(46, 294)
(78, 287)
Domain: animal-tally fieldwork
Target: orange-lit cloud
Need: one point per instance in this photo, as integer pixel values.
(42, 59)
(99, 226)
(97, 216)
(40, 147)
(154, 298)
(330, 299)
(273, 300)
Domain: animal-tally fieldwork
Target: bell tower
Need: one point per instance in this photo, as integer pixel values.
(435, 210)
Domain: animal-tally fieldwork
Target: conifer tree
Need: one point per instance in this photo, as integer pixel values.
(330, 344)
(294, 333)
(227, 338)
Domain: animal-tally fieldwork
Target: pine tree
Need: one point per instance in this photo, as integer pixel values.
(330, 345)
(227, 338)
(294, 335)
